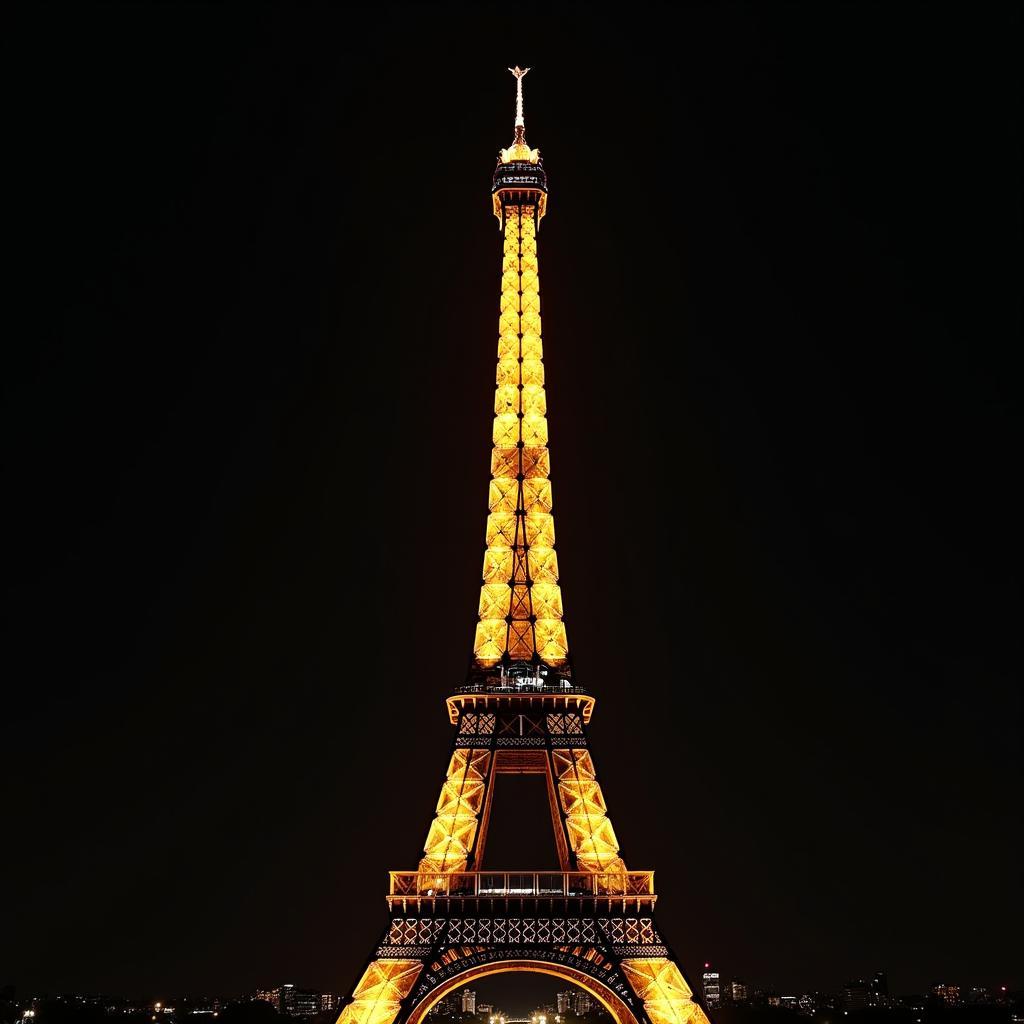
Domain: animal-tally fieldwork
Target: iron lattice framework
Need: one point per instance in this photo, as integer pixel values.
(451, 920)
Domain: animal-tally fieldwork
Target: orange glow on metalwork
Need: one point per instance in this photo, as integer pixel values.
(667, 998)
(378, 996)
(520, 608)
(586, 815)
(453, 829)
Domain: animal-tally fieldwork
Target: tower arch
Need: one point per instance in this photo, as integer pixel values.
(501, 963)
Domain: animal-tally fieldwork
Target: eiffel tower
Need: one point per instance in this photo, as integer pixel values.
(520, 711)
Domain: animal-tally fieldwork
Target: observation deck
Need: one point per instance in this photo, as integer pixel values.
(520, 176)
(520, 181)
(514, 690)
(489, 891)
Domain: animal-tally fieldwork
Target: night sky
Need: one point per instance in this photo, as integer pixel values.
(247, 412)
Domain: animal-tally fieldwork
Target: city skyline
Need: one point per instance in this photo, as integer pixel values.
(503, 998)
(249, 420)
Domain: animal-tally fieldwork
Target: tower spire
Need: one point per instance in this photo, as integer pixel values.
(519, 151)
(520, 74)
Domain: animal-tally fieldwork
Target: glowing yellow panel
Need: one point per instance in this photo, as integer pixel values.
(529, 303)
(536, 463)
(535, 429)
(489, 643)
(530, 280)
(576, 764)
(494, 600)
(587, 836)
(534, 401)
(552, 645)
(388, 979)
(379, 994)
(498, 564)
(506, 400)
(503, 494)
(661, 1012)
(528, 262)
(509, 302)
(508, 347)
(506, 430)
(469, 763)
(540, 529)
(374, 1013)
(666, 996)
(450, 836)
(501, 529)
(505, 462)
(508, 321)
(530, 322)
(605, 863)
(582, 797)
(547, 602)
(607, 867)
(533, 371)
(583, 804)
(461, 797)
(508, 372)
(537, 495)
(594, 833)
(532, 347)
(543, 563)
(510, 277)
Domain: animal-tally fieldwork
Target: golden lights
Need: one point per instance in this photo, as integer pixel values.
(586, 815)
(519, 151)
(378, 996)
(667, 998)
(454, 826)
(520, 619)
(520, 607)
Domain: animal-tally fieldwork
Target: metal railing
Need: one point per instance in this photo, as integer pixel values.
(523, 678)
(527, 686)
(516, 884)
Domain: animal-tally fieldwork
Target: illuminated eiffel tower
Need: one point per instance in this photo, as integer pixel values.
(452, 921)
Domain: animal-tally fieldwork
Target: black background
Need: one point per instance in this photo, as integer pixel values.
(247, 412)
